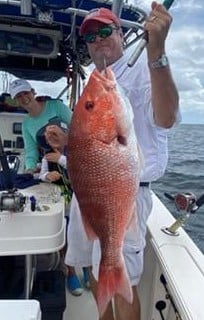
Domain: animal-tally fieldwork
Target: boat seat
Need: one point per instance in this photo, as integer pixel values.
(13, 162)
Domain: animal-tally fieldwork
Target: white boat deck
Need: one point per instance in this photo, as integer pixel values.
(82, 307)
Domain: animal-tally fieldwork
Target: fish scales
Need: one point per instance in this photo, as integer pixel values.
(104, 167)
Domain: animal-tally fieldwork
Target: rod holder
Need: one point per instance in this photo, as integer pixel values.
(173, 229)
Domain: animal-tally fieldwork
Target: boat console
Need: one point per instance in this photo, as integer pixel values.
(33, 232)
(31, 220)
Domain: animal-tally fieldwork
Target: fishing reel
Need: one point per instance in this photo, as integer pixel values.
(185, 201)
(12, 201)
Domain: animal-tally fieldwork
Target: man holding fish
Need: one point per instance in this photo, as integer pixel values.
(105, 166)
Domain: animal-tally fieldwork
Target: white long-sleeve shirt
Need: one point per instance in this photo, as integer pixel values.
(151, 138)
(45, 170)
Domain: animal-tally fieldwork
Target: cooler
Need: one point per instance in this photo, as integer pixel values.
(20, 310)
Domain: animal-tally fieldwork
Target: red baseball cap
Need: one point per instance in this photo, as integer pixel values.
(102, 15)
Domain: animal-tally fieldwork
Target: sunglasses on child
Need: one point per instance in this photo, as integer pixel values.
(103, 32)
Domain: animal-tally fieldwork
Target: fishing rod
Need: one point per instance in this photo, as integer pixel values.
(10, 200)
(186, 201)
(6, 172)
(117, 7)
(143, 41)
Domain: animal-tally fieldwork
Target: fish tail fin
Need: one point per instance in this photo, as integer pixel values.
(112, 281)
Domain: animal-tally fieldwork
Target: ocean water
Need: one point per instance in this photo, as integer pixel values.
(185, 173)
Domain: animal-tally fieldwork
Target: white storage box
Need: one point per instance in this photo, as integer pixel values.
(20, 310)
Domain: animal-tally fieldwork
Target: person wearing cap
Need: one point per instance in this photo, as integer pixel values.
(150, 88)
(38, 115)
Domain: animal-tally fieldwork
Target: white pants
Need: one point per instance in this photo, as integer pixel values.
(79, 247)
(83, 252)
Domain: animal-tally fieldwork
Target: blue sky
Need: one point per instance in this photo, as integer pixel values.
(185, 48)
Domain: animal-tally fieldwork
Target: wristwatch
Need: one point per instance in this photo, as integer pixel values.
(161, 62)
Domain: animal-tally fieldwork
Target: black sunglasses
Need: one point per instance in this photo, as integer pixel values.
(103, 32)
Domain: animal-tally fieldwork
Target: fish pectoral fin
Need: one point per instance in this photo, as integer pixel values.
(133, 218)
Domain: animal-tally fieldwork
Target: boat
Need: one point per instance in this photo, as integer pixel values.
(40, 41)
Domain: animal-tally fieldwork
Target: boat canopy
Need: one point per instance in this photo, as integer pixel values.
(39, 39)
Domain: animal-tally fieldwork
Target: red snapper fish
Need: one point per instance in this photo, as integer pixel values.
(104, 168)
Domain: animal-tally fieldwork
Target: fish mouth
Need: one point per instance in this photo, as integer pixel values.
(105, 75)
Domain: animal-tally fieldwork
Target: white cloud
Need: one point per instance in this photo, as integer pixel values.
(185, 48)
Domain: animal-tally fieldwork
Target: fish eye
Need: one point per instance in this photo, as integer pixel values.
(89, 105)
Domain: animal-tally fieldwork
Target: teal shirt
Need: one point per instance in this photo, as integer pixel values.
(31, 125)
